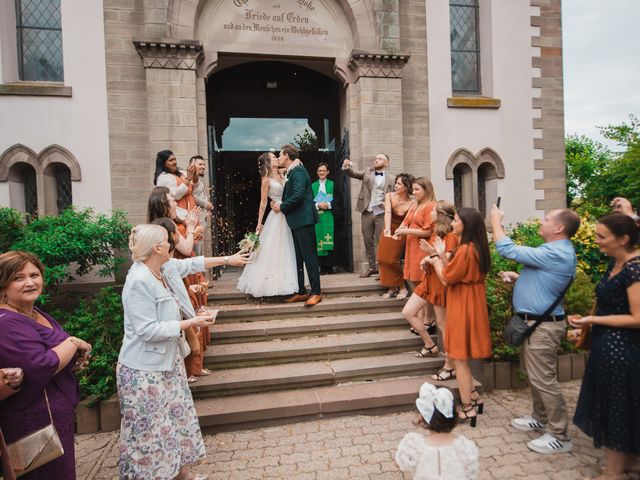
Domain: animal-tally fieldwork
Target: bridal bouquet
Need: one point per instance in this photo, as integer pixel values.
(249, 243)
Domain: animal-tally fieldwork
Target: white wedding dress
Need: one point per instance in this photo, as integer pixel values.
(272, 270)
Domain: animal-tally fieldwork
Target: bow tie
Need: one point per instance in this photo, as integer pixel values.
(380, 173)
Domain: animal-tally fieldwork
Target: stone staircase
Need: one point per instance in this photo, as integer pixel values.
(276, 363)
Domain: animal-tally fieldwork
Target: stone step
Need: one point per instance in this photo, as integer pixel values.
(235, 297)
(312, 374)
(329, 347)
(294, 327)
(260, 409)
(328, 307)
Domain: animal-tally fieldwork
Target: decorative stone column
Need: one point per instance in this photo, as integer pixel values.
(375, 121)
(176, 101)
(170, 72)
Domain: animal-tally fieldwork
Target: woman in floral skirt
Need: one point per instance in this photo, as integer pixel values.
(159, 434)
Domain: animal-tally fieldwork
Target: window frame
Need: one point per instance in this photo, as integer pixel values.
(476, 52)
(20, 29)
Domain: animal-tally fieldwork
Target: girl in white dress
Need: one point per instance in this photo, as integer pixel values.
(440, 455)
(272, 270)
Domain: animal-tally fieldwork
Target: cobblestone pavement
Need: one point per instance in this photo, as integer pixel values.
(363, 447)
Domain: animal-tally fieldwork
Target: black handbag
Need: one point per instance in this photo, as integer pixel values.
(517, 331)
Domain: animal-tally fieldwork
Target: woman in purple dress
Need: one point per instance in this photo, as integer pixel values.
(33, 341)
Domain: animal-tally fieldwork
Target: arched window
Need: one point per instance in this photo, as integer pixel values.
(462, 178)
(23, 189)
(475, 178)
(57, 187)
(487, 187)
(39, 183)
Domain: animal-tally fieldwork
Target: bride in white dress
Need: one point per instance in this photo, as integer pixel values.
(272, 270)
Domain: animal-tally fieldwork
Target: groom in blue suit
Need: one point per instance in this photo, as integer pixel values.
(300, 211)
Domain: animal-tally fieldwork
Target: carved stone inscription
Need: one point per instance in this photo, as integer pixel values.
(275, 23)
(279, 26)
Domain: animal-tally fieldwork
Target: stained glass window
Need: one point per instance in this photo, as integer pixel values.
(39, 35)
(465, 46)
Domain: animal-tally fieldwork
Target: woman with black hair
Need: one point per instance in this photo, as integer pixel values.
(179, 183)
(467, 335)
(608, 408)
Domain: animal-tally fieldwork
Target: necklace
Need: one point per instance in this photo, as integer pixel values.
(158, 277)
(33, 315)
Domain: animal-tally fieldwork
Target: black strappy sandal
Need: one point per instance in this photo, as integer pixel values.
(465, 408)
(477, 402)
(427, 352)
(444, 374)
(429, 327)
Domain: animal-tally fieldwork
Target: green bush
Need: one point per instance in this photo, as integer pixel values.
(72, 243)
(580, 297)
(100, 323)
(12, 226)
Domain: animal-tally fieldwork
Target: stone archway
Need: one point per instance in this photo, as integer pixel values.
(355, 41)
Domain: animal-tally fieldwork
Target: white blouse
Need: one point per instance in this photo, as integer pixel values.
(457, 461)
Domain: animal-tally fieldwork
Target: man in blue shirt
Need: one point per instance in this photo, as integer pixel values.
(546, 271)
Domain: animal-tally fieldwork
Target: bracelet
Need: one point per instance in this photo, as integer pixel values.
(72, 340)
(433, 256)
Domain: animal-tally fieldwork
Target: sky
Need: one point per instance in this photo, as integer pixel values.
(601, 52)
(261, 134)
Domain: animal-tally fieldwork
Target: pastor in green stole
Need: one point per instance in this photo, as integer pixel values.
(324, 229)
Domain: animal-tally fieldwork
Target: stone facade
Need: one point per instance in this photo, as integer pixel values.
(550, 103)
(158, 56)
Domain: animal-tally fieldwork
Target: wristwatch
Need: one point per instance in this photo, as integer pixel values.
(226, 260)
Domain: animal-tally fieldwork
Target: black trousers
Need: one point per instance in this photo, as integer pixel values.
(304, 241)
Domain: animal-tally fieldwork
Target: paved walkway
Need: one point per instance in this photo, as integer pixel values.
(363, 447)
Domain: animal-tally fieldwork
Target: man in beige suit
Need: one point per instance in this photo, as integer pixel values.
(376, 182)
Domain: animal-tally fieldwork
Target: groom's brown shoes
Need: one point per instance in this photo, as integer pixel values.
(297, 297)
(313, 300)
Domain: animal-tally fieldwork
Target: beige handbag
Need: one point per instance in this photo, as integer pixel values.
(37, 448)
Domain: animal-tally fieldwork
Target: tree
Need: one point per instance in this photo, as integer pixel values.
(595, 174)
(306, 141)
(586, 161)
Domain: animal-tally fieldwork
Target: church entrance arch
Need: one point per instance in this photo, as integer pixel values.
(257, 107)
(274, 73)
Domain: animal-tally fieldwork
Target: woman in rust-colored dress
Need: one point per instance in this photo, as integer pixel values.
(416, 225)
(390, 248)
(431, 291)
(467, 334)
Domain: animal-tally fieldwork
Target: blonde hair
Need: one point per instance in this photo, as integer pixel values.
(142, 240)
(445, 213)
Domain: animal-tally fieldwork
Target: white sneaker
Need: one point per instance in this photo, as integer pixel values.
(527, 424)
(547, 443)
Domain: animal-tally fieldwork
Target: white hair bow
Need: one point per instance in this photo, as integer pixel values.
(431, 398)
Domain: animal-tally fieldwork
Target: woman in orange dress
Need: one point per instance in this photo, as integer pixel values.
(416, 225)
(162, 204)
(467, 334)
(390, 248)
(431, 290)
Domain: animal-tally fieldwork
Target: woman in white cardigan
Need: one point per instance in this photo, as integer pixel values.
(159, 433)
